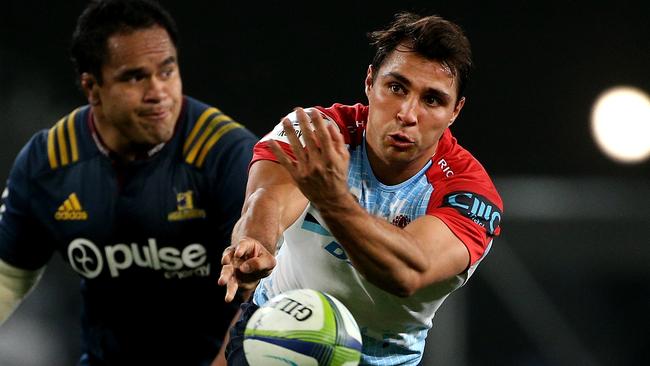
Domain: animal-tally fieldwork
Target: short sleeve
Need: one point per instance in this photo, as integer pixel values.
(23, 239)
(469, 204)
(263, 151)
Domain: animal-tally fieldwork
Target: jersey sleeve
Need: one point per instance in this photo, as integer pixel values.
(23, 241)
(469, 204)
(263, 151)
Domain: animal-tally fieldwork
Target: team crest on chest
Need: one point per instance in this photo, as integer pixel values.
(401, 221)
(185, 209)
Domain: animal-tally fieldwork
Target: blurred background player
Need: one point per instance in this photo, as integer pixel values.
(379, 205)
(138, 191)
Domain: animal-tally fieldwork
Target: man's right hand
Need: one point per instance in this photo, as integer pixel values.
(243, 264)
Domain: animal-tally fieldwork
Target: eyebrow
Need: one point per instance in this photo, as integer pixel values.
(428, 91)
(128, 73)
(169, 60)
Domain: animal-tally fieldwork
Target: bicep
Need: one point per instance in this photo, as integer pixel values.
(447, 256)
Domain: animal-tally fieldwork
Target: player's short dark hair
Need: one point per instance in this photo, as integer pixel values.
(104, 18)
(429, 36)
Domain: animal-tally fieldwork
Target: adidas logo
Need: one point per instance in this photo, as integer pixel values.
(71, 209)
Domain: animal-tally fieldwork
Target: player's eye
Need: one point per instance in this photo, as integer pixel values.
(132, 78)
(167, 73)
(431, 100)
(396, 88)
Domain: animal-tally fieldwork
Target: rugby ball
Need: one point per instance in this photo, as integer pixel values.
(302, 327)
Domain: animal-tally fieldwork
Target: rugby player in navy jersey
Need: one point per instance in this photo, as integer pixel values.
(138, 191)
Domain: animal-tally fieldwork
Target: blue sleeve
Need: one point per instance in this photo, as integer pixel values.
(229, 175)
(23, 242)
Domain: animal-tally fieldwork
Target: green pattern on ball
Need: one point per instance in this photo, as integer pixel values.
(344, 355)
(328, 335)
(329, 318)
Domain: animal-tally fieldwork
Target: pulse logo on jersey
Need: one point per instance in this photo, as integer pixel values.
(185, 208)
(478, 208)
(89, 260)
(71, 210)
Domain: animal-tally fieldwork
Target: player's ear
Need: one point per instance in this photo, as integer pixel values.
(90, 88)
(457, 108)
(368, 82)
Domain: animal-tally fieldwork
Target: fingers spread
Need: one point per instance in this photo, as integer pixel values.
(263, 264)
(306, 129)
(231, 289)
(338, 142)
(282, 157)
(226, 257)
(294, 142)
(321, 130)
(245, 249)
(226, 274)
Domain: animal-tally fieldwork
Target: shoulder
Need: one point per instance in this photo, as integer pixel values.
(356, 114)
(460, 181)
(207, 131)
(454, 165)
(58, 147)
(351, 120)
(464, 197)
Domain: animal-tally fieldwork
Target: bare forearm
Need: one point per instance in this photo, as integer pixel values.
(261, 220)
(272, 204)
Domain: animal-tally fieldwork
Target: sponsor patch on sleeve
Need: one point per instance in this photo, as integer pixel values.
(475, 207)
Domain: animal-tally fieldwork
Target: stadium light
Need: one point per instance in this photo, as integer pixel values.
(620, 124)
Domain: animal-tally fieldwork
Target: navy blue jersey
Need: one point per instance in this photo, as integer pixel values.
(145, 236)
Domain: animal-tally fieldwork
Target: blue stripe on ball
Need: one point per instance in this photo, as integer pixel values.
(321, 352)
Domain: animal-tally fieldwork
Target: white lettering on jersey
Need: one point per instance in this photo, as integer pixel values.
(88, 260)
(3, 208)
(442, 163)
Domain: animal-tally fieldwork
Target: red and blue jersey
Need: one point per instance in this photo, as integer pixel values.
(146, 236)
(452, 186)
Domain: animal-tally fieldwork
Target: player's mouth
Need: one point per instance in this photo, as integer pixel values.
(400, 140)
(156, 115)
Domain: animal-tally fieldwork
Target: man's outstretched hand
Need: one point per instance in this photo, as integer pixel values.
(243, 264)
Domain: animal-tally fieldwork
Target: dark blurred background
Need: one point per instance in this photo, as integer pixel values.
(568, 281)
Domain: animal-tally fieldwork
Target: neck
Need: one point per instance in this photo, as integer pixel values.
(397, 171)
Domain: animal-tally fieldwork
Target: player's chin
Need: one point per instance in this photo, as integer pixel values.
(158, 134)
(402, 153)
(152, 140)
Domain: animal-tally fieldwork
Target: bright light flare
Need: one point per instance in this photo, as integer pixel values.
(620, 124)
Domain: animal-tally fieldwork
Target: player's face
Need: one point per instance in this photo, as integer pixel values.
(139, 101)
(412, 100)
